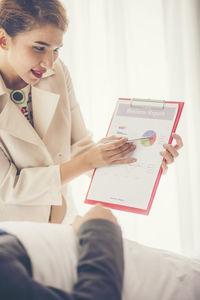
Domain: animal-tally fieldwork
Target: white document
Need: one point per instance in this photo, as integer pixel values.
(131, 185)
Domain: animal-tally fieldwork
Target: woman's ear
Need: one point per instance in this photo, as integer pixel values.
(4, 37)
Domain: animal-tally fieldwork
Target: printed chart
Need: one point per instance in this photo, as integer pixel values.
(150, 138)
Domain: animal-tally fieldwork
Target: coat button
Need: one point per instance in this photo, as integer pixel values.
(59, 157)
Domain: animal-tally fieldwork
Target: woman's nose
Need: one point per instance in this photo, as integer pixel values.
(48, 61)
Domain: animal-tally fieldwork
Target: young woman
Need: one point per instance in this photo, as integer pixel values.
(43, 139)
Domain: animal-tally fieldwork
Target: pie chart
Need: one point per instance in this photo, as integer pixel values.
(150, 138)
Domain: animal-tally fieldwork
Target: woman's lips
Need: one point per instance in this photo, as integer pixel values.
(37, 73)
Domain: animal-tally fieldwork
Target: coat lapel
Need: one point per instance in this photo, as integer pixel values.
(44, 104)
(14, 123)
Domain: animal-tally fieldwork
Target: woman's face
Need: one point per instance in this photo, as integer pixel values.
(30, 54)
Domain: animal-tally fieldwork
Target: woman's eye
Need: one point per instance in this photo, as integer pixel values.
(39, 48)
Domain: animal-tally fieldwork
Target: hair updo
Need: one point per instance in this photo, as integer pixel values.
(18, 16)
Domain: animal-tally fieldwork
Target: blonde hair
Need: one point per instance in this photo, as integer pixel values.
(18, 16)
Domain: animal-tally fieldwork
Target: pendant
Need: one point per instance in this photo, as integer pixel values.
(18, 96)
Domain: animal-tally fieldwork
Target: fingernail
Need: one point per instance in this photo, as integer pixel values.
(134, 159)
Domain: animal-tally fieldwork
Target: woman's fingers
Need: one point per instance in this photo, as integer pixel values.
(164, 167)
(123, 161)
(113, 143)
(115, 152)
(169, 158)
(111, 139)
(171, 152)
(114, 149)
(179, 142)
(120, 149)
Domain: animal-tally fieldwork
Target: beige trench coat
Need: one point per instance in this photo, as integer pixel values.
(30, 157)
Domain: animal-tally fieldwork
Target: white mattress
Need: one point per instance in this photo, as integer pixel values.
(149, 273)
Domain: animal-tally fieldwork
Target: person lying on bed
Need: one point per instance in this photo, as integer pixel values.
(49, 261)
(100, 262)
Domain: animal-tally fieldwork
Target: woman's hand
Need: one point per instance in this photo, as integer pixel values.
(171, 152)
(110, 151)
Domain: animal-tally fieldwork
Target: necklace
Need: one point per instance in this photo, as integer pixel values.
(24, 102)
(18, 96)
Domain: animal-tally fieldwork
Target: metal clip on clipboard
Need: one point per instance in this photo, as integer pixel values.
(146, 100)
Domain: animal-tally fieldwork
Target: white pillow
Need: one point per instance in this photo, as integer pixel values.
(155, 274)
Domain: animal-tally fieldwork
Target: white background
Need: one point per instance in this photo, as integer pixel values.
(145, 49)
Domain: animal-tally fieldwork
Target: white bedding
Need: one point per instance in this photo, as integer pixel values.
(149, 273)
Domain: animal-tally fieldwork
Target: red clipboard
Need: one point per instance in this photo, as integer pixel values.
(135, 209)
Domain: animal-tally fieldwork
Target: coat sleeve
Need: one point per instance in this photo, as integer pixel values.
(81, 137)
(100, 264)
(30, 186)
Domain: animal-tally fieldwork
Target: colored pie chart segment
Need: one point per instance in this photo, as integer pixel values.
(150, 138)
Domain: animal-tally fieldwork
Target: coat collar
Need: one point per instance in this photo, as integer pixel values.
(44, 104)
(3, 88)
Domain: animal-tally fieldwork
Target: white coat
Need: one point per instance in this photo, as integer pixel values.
(30, 157)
